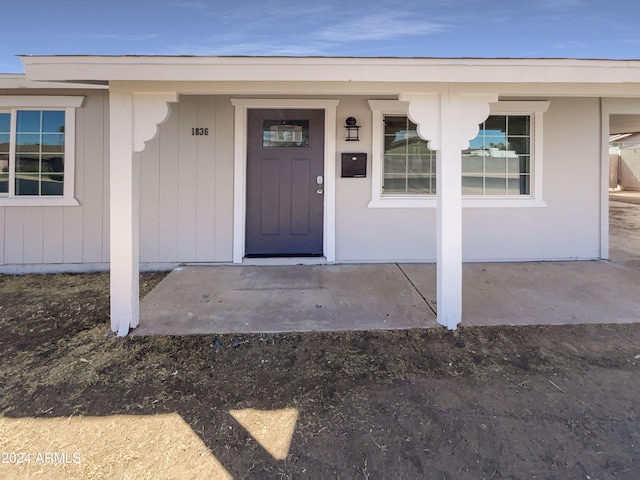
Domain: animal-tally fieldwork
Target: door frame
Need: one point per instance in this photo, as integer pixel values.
(240, 167)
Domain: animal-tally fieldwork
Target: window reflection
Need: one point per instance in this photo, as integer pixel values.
(497, 161)
(39, 160)
(409, 165)
(289, 133)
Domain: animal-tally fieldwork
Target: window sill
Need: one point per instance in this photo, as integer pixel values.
(38, 202)
(467, 202)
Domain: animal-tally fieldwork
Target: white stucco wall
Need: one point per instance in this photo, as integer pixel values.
(567, 228)
(373, 234)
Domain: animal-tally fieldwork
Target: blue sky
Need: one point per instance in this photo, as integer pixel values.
(408, 28)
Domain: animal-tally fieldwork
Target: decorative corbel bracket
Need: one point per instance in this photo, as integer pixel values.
(440, 115)
(149, 111)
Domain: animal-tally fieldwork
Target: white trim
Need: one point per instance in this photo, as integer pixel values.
(40, 101)
(467, 202)
(562, 74)
(67, 199)
(20, 81)
(605, 119)
(38, 202)
(535, 108)
(12, 156)
(240, 161)
(608, 107)
(69, 179)
(239, 181)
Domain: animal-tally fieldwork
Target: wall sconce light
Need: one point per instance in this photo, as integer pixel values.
(352, 130)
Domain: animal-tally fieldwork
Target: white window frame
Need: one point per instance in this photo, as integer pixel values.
(68, 104)
(536, 109)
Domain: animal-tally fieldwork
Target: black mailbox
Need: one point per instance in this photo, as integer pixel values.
(354, 165)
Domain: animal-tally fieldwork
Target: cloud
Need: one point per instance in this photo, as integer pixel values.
(379, 26)
(254, 49)
(124, 38)
(571, 44)
(561, 4)
(191, 5)
(274, 27)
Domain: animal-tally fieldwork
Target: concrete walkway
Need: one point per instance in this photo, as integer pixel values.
(268, 299)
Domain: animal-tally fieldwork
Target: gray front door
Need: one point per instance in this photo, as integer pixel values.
(285, 188)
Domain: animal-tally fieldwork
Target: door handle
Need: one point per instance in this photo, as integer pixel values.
(319, 181)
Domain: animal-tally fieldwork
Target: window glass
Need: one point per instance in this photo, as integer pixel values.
(51, 184)
(27, 142)
(27, 163)
(5, 125)
(39, 146)
(409, 165)
(28, 121)
(52, 142)
(53, 121)
(497, 161)
(285, 133)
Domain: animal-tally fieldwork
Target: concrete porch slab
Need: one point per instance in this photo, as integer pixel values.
(549, 293)
(269, 299)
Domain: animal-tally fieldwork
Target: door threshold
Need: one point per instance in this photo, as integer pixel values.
(284, 261)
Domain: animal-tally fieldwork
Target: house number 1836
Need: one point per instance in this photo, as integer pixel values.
(199, 131)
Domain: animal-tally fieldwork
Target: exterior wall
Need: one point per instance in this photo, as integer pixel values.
(186, 185)
(567, 228)
(32, 236)
(186, 196)
(375, 234)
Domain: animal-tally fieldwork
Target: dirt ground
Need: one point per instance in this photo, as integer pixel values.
(487, 402)
(490, 402)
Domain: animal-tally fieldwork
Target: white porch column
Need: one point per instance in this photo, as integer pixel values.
(124, 216)
(133, 120)
(448, 121)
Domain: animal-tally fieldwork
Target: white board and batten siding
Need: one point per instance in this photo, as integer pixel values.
(185, 194)
(35, 236)
(186, 185)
